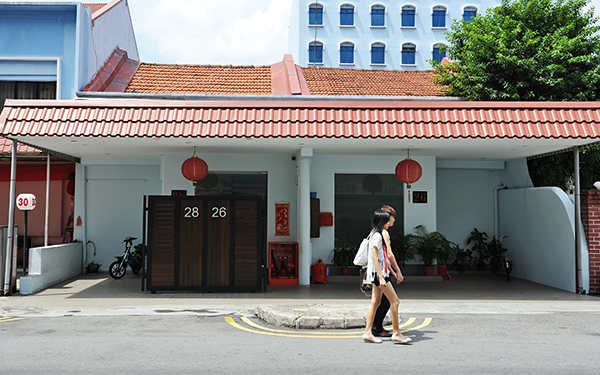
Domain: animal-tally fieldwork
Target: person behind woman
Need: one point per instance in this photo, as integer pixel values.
(378, 273)
(384, 306)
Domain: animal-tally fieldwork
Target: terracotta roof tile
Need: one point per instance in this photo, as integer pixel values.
(201, 79)
(301, 119)
(365, 82)
(6, 148)
(94, 6)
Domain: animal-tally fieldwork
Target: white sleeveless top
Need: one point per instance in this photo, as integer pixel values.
(376, 240)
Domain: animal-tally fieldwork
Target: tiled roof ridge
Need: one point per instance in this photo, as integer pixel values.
(207, 66)
(115, 74)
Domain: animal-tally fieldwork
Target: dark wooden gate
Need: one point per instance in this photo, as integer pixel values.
(205, 243)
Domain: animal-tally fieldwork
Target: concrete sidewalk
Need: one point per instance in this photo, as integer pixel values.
(468, 293)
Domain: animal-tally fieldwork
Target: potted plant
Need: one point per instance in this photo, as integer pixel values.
(427, 245)
(462, 259)
(342, 256)
(445, 254)
(479, 245)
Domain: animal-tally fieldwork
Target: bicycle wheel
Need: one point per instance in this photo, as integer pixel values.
(497, 265)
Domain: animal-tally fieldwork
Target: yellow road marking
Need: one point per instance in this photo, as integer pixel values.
(9, 319)
(311, 334)
(425, 323)
(251, 323)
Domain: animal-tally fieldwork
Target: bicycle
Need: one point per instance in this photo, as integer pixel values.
(131, 257)
(500, 264)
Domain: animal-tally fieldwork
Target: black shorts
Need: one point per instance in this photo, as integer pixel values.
(376, 280)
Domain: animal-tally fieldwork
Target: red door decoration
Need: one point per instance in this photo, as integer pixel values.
(194, 168)
(408, 171)
(282, 219)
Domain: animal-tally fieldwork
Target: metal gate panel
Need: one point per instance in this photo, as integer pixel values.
(205, 243)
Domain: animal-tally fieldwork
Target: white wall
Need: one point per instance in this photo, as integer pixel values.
(540, 225)
(362, 35)
(113, 197)
(112, 29)
(465, 200)
(50, 265)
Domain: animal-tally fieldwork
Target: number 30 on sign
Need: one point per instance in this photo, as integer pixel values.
(26, 202)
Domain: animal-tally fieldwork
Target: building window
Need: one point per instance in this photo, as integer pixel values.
(408, 54)
(378, 53)
(439, 17)
(315, 15)
(357, 196)
(437, 55)
(315, 53)
(378, 16)
(26, 90)
(347, 15)
(347, 53)
(408, 16)
(469, 13)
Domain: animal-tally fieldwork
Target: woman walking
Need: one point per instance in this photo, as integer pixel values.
(378, 273)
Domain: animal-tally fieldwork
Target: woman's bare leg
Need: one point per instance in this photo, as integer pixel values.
(391, 295)
(375, 301)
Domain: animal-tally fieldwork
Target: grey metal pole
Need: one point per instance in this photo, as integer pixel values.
(577, 193)
(11, 220)
(47, 200)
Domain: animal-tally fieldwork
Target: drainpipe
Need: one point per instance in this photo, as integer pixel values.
(304, 248)
(496, 213)
(11, 222)
(47, 200)
(582, 277)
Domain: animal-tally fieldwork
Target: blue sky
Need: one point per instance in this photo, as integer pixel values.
(236, 32)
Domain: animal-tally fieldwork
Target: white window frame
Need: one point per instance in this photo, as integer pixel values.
(384, 14)
(354, 57)
(308, 12)
(408, 27)
(416, 50)
(308, 56)
(445, 15)
(354, 19)
(371, 51)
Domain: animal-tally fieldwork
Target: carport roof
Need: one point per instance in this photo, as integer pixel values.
(410, 121)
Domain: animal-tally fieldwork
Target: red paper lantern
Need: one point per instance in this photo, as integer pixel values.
(194, 169)
(408, 171)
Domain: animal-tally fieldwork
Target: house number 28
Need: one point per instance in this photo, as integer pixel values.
(219, 212)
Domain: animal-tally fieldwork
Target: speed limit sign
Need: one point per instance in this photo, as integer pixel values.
(26, 202)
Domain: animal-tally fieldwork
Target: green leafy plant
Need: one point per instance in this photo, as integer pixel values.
(402, 247)
(462, 258)
(447, 253)
(479, 245)
(343, 255)
(428, 244)
(525, 50)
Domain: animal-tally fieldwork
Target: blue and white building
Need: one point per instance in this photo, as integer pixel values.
(383, 34)
(52, 50)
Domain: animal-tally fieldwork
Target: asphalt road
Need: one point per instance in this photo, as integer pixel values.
(554, 343)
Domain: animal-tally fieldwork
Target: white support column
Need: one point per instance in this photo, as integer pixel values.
(304, 245)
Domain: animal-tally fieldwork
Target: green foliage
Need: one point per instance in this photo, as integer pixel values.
(343, 255)
(478, 241)
(546, 50)
(559, 170)
(428, 244)
(402, 248)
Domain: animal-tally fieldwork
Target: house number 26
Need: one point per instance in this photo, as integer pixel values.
(219, 212)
